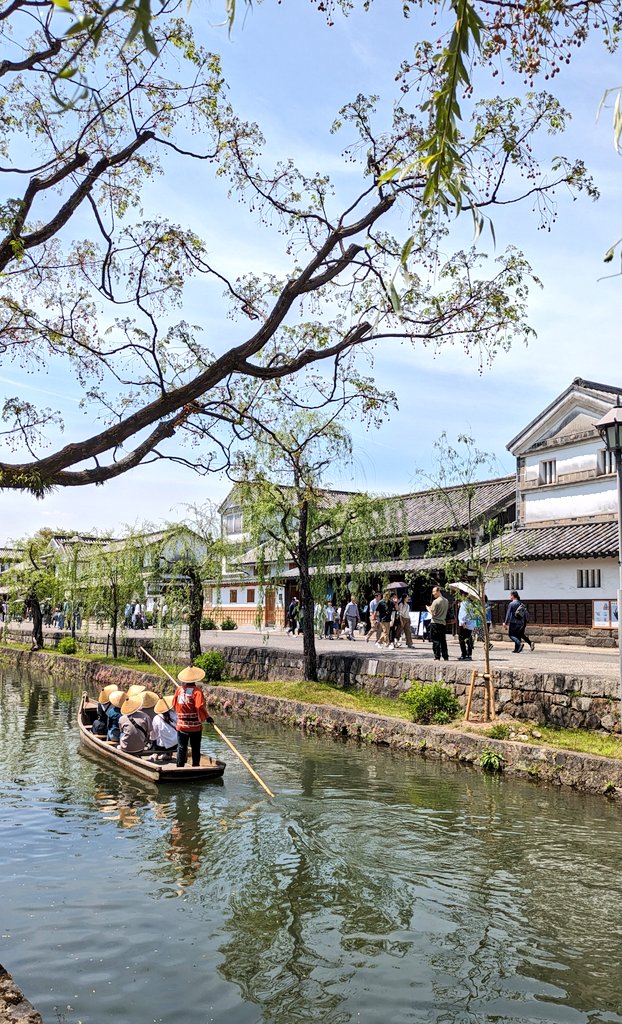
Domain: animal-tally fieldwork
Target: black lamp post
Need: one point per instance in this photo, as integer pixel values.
(610, 429)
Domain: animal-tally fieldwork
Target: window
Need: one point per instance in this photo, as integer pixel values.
(250, 595)
(513, 580)
(588, 578)
(232, 523)
(548, 472)
(606, 462)
(233, 597)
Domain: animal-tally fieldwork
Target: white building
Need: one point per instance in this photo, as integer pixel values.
(564, 547)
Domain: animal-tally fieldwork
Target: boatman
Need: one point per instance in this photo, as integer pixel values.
(189, 706)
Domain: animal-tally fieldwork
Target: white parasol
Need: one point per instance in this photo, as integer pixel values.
(466, 588)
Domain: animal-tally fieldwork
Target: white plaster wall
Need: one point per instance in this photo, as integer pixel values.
(587, 498)
(573, 459)
(550, 581)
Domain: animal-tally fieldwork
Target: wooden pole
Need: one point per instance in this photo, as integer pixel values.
(216, 729)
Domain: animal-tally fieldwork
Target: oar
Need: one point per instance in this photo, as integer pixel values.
(216, 729)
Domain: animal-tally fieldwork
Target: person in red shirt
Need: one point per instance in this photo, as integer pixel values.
(189, 705)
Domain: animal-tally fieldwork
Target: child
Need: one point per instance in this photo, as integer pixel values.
(189, 706)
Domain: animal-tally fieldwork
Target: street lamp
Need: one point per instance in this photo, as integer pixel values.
(610, 429)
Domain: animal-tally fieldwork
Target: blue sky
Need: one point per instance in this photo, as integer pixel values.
(290, 72)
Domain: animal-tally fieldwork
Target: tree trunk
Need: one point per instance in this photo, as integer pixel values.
(195, 612)
(37, 623)
(114, 619)
(308, 622)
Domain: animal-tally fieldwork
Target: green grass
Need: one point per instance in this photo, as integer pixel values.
(322, 693)
(581, 741)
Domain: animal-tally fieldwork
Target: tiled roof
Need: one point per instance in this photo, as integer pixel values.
(431, 511)
(575, 540)
(395, 566)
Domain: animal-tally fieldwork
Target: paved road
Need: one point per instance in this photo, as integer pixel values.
(567, 659)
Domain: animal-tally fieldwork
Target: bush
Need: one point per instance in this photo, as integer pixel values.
(228, 624)
(207, 623)
(492, 761)
(500, 731)
(67, 645)
(431, 702)
(213, 664)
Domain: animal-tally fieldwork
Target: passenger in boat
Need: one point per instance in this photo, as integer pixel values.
(113, 714)
(164, 730)
(149, 700)
(189, 705)
(100, 725)
(134, 726)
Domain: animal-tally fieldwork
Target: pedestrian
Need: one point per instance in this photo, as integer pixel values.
(293, 612)
(438, 613)
(189, 706)
(404, 614)
(329, 619)
(395, 627)
(351, 617)
(467, 622)
(516, 619)
(383, 613)
(375, 628)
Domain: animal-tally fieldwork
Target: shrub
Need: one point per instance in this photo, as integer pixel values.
(208, 623)
(228, 624)
(431, 702)
(67, 645)
(492, 761)
(213, 664)
(499, 732)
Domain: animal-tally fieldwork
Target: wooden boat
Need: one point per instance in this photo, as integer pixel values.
(139, 764)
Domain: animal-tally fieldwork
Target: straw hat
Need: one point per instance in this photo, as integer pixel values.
(131, 705)
(191, 675)
(135, 689)
(117, 697)
(148, 699)
(104, 695)
(164, 704)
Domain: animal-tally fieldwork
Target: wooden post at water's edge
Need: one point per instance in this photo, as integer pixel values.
(489, 695)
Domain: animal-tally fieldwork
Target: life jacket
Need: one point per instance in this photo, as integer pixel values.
(189, 703)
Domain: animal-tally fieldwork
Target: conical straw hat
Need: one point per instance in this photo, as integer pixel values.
(135, 689)
(104, 695)
(131, 705)
(164, 704)
(148, 699)
(117, 697)
(191, 675)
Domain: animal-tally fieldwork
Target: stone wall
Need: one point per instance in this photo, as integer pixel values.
(545, 697)
(549, 698)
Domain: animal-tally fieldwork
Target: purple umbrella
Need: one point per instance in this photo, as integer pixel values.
(397, 586)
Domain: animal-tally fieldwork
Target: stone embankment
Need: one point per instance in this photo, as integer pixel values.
(545, 696)
(14, 1007)
(588, 773)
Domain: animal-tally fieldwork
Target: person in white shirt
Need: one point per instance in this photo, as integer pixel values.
(330, 613)
(351, 616)
(163, 729)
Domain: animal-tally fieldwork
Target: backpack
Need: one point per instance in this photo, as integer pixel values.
(521, 614)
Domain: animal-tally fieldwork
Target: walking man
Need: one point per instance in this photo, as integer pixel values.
(351, 616)
(467, 622)
(438, 613)
(516, 619)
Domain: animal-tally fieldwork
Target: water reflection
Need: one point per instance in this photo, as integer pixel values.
(373, 888)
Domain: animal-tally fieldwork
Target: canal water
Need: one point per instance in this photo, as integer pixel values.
(374, 888)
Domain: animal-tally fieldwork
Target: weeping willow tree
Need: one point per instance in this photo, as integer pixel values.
(113, 574)
(291, 516)
(186, 556)
(471, 546)
(32, 582)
